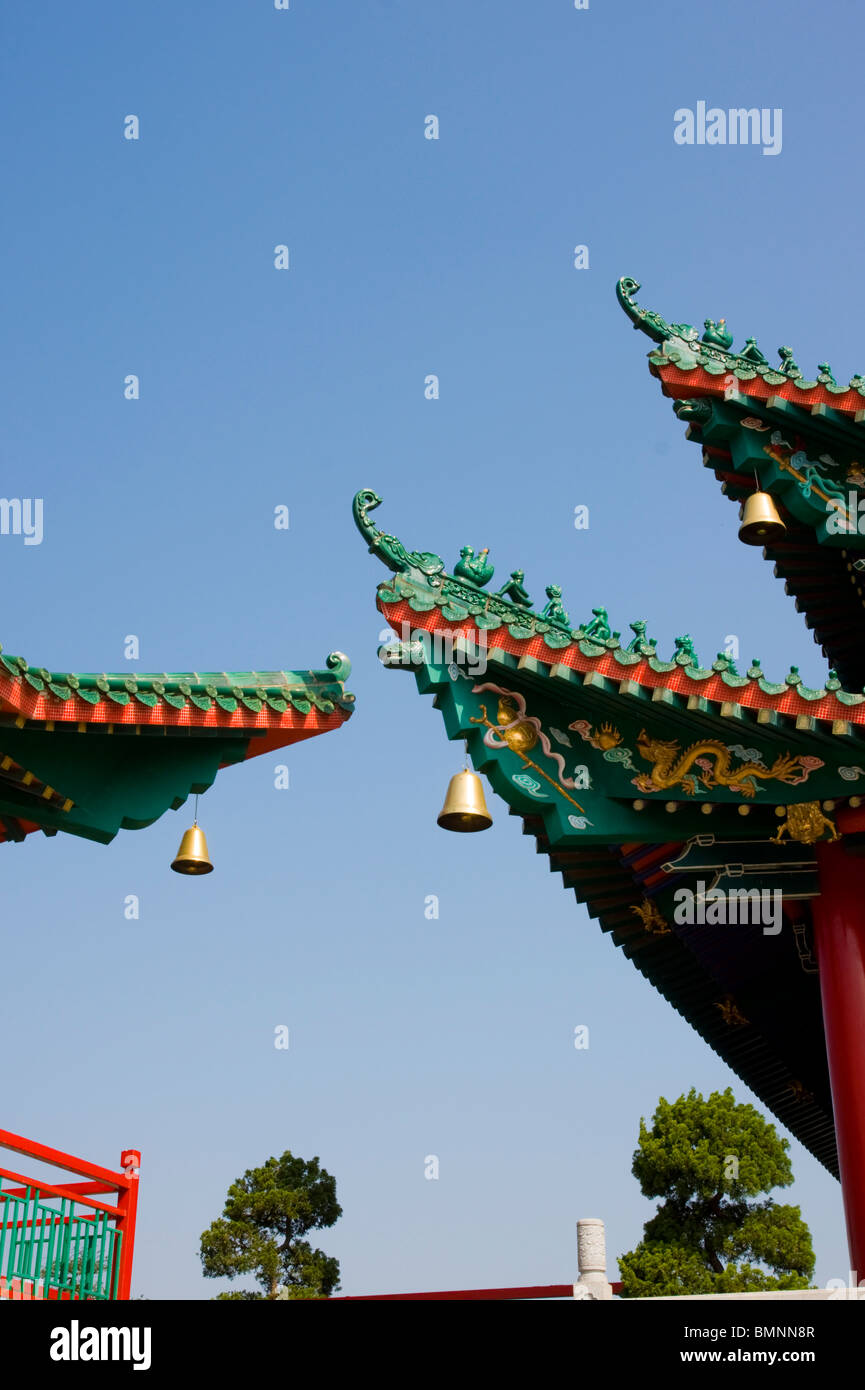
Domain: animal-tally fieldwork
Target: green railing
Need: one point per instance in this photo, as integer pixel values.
(52, 1251)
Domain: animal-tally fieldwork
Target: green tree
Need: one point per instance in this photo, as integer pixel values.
(710, 1161)
(266, 1215)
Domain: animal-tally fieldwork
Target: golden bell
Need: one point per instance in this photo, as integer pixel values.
(761, 521)
(465, 808)
(192, 857)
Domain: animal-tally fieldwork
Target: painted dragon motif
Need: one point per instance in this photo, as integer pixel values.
(671, 767)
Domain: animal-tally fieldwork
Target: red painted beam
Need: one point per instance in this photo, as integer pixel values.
(43, 1221)
(84, 1188)
(49, 1189)
(530, 1291)
(839, 937)
(17, 1144)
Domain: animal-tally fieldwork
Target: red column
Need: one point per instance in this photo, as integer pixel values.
(839, 932)
(127, 1201)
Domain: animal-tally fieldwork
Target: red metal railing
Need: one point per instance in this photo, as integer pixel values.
(57, 1241)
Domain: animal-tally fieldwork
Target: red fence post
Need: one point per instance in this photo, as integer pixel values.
(127, 1201)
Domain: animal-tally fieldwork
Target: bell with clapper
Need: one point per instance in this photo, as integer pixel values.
(761, 520)
(465, 809)
(192, 857)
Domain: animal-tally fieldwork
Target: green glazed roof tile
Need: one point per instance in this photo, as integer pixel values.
(682, 346)
(250, 689)
(425, 584)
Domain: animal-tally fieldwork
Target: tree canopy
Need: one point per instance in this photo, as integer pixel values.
(267, 1214)
(710, 1160)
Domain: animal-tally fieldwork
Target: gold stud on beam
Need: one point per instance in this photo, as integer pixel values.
(761, 520)
(707, 808)
(744, 810)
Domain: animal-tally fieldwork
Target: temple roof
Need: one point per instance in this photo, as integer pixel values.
(634, 665)
(637, 776)
(464, 609)
(151, 739)
(172, 698)
(800, 439)
(711, 357)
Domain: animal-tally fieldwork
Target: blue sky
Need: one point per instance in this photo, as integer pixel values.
(261, 387)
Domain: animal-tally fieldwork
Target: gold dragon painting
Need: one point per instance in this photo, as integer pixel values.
(711, 764)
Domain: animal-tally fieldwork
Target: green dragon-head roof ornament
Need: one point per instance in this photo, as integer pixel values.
(470, 574)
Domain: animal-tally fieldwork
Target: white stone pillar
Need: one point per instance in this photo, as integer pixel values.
(592, 1260)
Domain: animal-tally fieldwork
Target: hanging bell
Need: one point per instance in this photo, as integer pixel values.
(465, 808)
(761, 521)
(192, 857)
